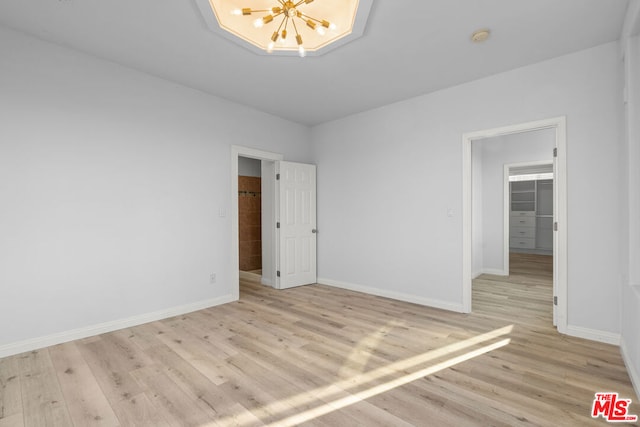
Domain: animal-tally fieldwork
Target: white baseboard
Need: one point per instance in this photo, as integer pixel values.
(494, 272)
(593, 334)
(631, 369)
(491, 271)
(393, 295)
(266, 282)
(76, 334)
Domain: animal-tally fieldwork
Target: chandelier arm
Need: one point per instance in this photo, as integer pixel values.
(295, 27)
(284, 18)
(299, 3)
(312, 18)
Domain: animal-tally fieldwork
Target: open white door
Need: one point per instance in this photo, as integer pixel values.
(296, 183)
(555, 237)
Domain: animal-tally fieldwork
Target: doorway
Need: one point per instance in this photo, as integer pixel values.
(250, 215)
(288, 220)
(268, 223)
(528, 208)
(528, 200)
(557, 126)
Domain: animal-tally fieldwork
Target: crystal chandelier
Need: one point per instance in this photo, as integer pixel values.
(287, 13)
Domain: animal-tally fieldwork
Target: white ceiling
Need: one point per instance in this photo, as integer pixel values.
(409, 47)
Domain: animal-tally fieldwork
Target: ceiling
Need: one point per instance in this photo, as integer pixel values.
(409, 47)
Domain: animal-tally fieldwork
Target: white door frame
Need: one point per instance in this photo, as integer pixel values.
(559, 237)
(238, 151)
(507, 213)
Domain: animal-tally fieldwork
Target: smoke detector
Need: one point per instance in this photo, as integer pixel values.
(480, 35)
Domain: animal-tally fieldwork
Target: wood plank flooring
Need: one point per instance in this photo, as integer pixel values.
(317, 355)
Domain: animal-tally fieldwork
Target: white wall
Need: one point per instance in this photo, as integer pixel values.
(387, 178)
(249, 167)
(493, 154)
(630, 179)
(111, 185)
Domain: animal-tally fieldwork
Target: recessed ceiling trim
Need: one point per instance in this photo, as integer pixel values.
(358, 25)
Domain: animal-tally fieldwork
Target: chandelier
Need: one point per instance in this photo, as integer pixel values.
(287, 27)
(287, 13)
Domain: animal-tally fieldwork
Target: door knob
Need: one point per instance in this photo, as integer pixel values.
(314, 231)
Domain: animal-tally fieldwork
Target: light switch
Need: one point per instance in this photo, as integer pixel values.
(449, 212)
(222, 212)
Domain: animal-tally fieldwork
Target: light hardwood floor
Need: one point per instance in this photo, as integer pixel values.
(322, 356)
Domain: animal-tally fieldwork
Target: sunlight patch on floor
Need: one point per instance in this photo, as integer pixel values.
(389, 385)
(360, 355)
(357, 388)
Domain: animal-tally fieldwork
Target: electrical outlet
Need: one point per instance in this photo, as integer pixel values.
(212, 278)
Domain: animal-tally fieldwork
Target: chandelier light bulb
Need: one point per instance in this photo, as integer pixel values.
(287, 14)
(301, 51)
